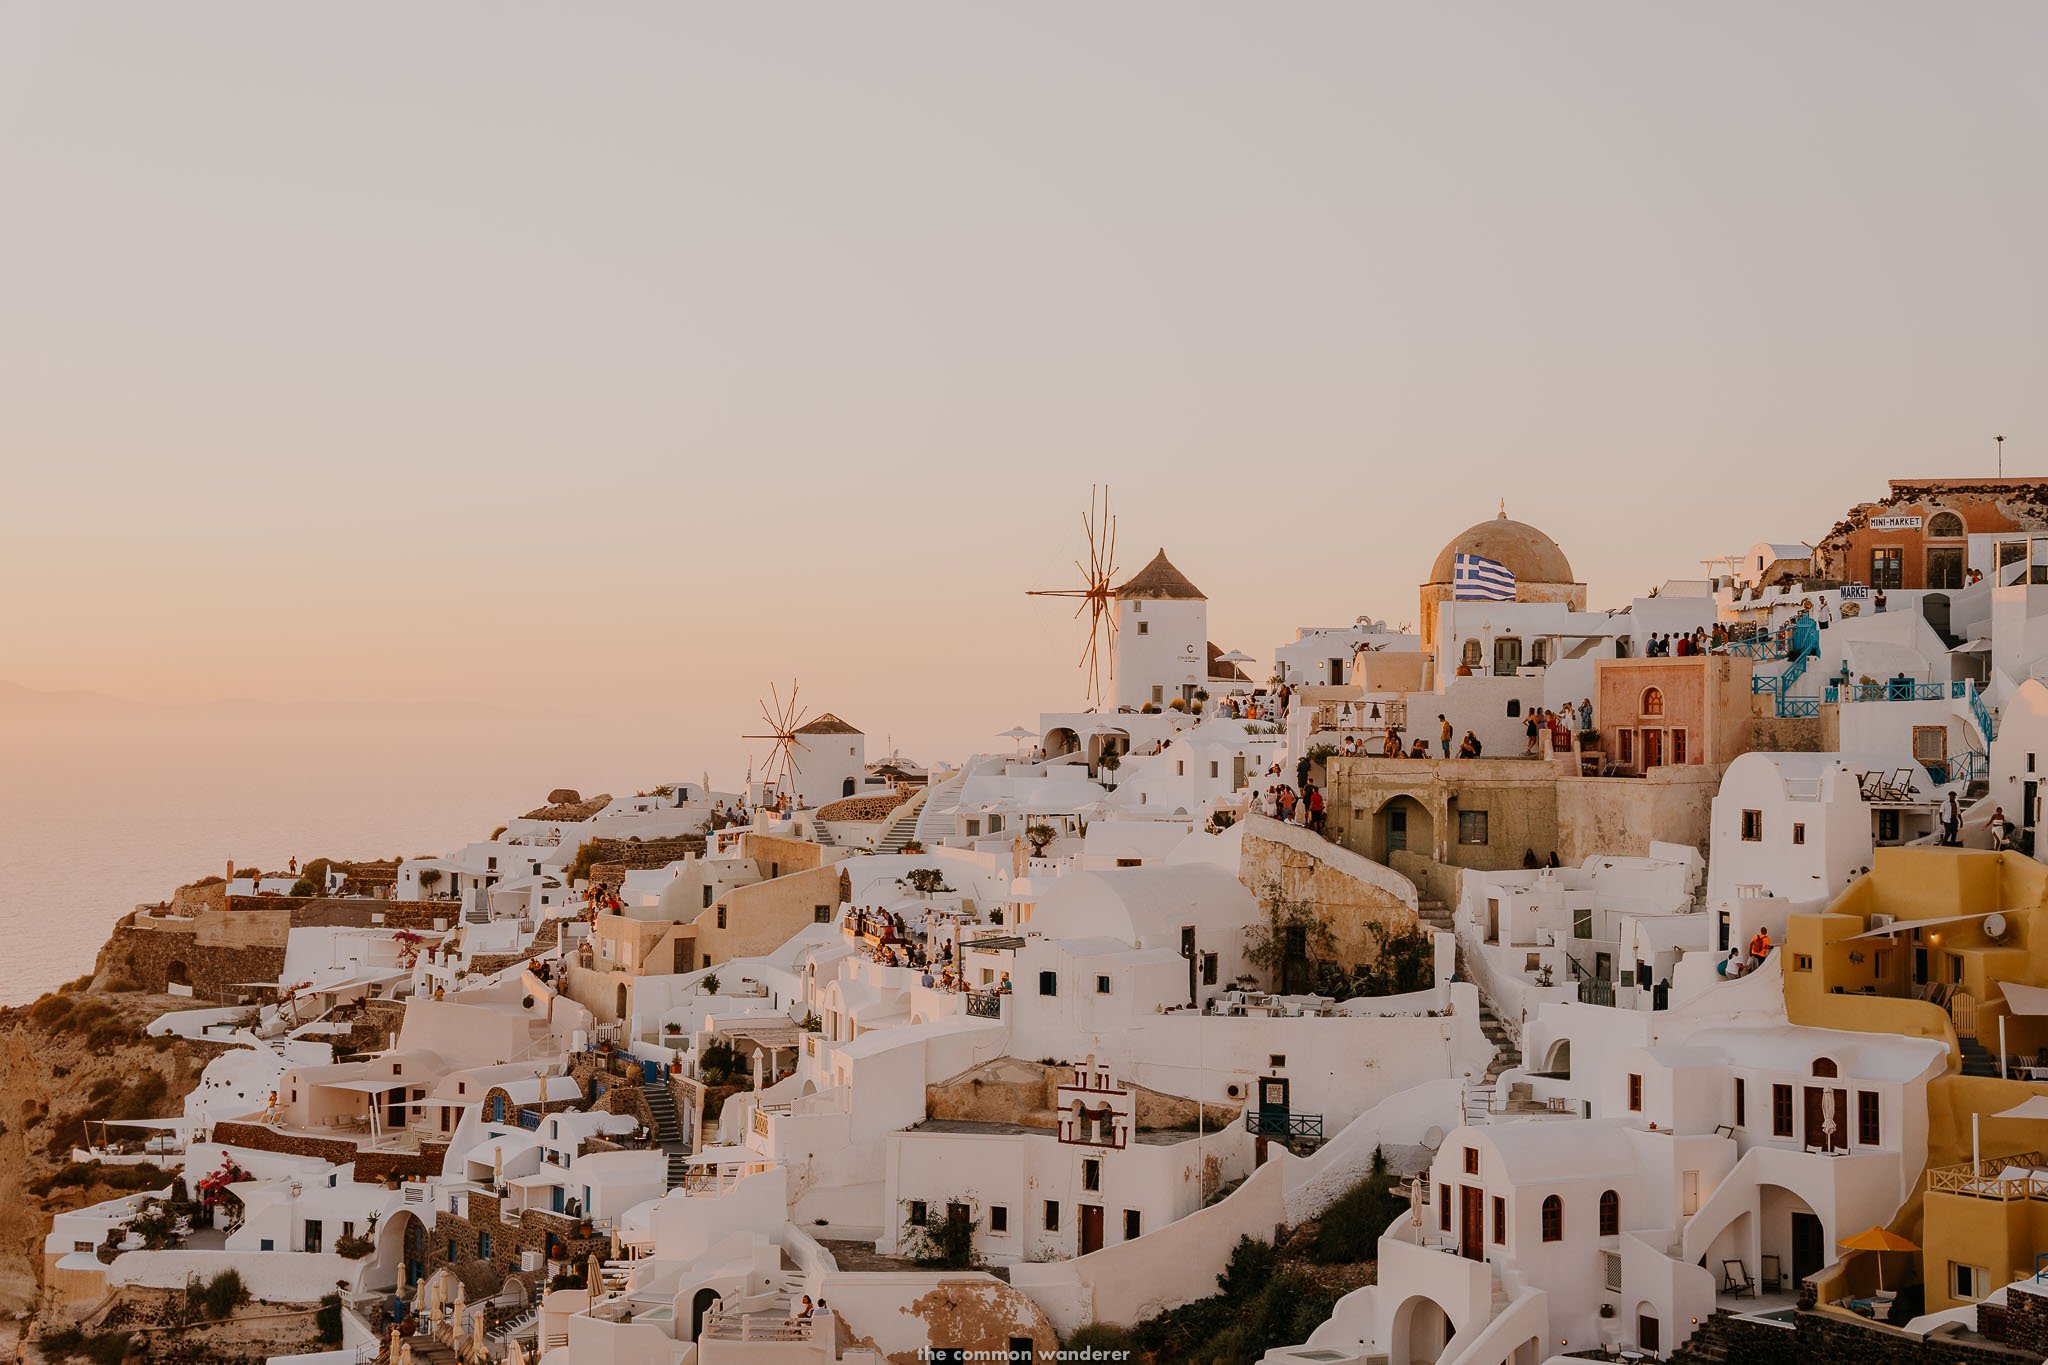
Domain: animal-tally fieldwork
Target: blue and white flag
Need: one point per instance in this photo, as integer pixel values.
(1475, 578)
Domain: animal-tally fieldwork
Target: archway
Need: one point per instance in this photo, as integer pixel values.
(401, 1243)
(1557, 1062)
(1421, 1330)
(622, 1002)
(703, 1303)
(1060, 740)
(1404, 823)
(178, 975)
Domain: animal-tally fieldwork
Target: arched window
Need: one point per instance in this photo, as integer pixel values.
(1825, 1066)
(1944, 526)
(1610, 1213)
(1553, 1219)
(1653, 701)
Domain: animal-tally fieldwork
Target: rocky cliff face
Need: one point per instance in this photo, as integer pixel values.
(71, 1059)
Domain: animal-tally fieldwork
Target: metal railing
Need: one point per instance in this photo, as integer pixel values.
(1898, 689)
(985, 1004)
(1284, 1125)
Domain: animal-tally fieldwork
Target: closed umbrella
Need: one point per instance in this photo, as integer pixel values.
(478, 1351)
(515, 1354)
(1878, 1240)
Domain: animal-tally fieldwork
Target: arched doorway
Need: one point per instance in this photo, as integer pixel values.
(178, 975)
(1061, 740)
(1557, 1063)
(1404, 823)
(1421, 1330)
(622, 998)
(704, 1302)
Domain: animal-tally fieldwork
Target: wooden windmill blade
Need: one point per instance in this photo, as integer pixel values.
(783, 719)
(1096, 596)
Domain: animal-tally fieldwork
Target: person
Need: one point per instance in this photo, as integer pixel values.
(821, 1311)
(1826, 615)
(1392, 747)
(1877, 603)
(1420, 749)
(1999, 827)
(1470, 747)
(1719, 639)
(1586, 714)
(1760, 945)
(1951, 822)
(1301, 771)
(1529, 728)
(1684, 646)
(1447, 732)
(929, 979)
(1004, 986)
(804, 1308)
(1315, 809)
(1732, 964)
(1553, 862)
(1529, 858)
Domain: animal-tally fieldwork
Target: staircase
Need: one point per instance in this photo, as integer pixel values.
(523, 1327)
(1977, 1059)
(668, 1132)
(935, 817)
(1479, 1095)
(902, 826)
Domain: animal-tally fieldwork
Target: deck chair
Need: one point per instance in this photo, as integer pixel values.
(1871, 785)
(1735, 1280)
(1773, 1277)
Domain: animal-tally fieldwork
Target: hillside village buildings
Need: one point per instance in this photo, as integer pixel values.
(1670, 947)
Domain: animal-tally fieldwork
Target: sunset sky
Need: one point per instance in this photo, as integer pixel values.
(621, 358)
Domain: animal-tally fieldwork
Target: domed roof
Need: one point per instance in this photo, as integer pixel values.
(1529, 554)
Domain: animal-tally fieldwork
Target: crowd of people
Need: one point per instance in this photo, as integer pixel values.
(898, 944)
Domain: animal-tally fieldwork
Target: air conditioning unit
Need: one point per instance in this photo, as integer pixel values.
(1880, 920)
(531, 1260)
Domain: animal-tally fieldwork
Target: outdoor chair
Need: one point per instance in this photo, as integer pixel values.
(1735, 1280)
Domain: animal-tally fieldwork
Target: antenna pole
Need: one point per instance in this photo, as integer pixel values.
(2001, 455)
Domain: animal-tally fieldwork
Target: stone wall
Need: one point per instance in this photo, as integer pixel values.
(1625, 815)
(1823, 1338)
(258, 1138)
(457, 1239)
(154, 957)
(1350, 894)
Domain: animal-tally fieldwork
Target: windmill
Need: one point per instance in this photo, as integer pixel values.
(1096, 595)
(783, 719)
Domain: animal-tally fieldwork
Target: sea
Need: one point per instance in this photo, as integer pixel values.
(107, 804)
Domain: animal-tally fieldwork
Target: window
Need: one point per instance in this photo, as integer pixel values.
(1443, 1207)
(1091, 1174)
(1610, 1213)
(1628, 748)
(1102, 985)
(1653, 701)
(1275, 1060)
(1471, 1161)
(1471, 826)
(1514, 706)
(1500, 1221)
(1869, 1130)
(1553, 1219)
(1887, 827)
(1741, 1103)
(1208, 969)
(1752, 827)
(1944, 526)
(1802, 962)
(1144, 627)
(483, 1246)
(1798, 833)
(707, 898)
(1470, 657)
(721, 917)
(1048, 983)
(270, 1244)
(1635, 1093)
(1678, 746)
(1825, 1066)
(1133, 1225)
(1888, 567)
(1052, 1215)
(1781, 1111)
(313, 1234)
(1215, 768)
(1972, 1281)
(998, 1218)
(821, 914)
(920, 1213)
(1930, 744)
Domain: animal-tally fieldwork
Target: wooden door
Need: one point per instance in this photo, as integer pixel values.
(1091, 1228)
(1653, 748)
(1807, 1246)
(1472, 1220)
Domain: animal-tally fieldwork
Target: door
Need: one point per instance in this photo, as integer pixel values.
(1689, 1192)
(313, 1234)
(1807, 1246)
(1091, 1228)
(1397, 829)
(1653, 748)
(2029, 803)
(1273, 1106)
(1336, 672)
(1507, 657)
(1471, 1223)
(1646, 1333)
(394, 1109)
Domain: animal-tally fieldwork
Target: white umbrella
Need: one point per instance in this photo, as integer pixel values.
(478, 1339)
(1235, 656)
(1827, 1117)
(515, 1354)
(1018, 732)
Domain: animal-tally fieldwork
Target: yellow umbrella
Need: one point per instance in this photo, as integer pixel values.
(1879, 1240)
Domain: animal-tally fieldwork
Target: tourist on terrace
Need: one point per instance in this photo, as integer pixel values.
(1391, 747)
(1951, 823)
(1586, 714)
(1301, 771)
(1760, 946)
(1315, 809)
(2000, 827)
(1447, 733)
(1421, 748)
(1471, 748)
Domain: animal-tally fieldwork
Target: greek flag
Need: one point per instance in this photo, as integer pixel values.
(1475, 578)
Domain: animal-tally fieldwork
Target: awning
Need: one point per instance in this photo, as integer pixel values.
(1899, 926)
(1972, 647)
(2025, 999)
(2035, 1107)
(365, 1087)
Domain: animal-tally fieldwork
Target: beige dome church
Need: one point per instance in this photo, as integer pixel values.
(1542, 573)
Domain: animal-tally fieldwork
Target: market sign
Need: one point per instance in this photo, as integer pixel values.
(1895, 523)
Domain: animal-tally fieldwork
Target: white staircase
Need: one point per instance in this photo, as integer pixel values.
(902, 826)
(935, 821)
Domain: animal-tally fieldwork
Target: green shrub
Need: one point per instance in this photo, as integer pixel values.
(1107, 1338)
(1350, 1229)
(222, 1294)
(327, 1321)
(944, 1244)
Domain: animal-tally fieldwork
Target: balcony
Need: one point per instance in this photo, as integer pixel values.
(985, 1005)
(2002, 1178)
(1287, 1127)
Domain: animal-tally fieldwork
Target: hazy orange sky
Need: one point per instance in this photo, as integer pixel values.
(626, 357)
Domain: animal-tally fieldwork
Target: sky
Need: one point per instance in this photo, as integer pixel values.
(619, 360)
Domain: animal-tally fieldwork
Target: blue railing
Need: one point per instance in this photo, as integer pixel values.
(1898, 689)
(529, 1118)
(1964, 767)
(1983, 715)
(1798, 706)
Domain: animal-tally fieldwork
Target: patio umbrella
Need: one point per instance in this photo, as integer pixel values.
(595, 1275)
(1878, 1240)
(515, 1354)
(479, 1352)
(455, 1319)
(1018, 732)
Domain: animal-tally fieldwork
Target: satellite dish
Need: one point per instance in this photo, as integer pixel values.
(1995, 928)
